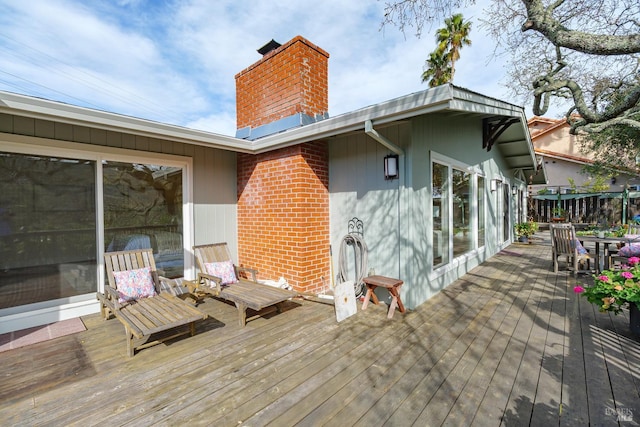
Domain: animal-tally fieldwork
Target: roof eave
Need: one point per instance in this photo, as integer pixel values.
(438, 99)
(38, 108)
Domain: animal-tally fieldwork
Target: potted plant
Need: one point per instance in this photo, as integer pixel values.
(614, 289)
(558, 214)
(524, 230)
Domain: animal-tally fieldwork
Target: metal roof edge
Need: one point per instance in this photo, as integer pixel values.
(440, 98)
(415, 104)
(39, 108)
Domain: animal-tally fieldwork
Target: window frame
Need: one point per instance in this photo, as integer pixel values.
(475, 172)
(20, 144)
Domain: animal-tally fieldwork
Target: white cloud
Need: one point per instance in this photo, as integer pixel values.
(176, 61)
(223, 123)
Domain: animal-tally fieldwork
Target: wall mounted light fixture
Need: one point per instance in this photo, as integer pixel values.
(493, 184)
(514, 190)
(391, 167)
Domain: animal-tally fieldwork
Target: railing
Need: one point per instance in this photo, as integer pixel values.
(589, 210)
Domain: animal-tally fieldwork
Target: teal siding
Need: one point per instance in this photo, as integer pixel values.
(396, 213)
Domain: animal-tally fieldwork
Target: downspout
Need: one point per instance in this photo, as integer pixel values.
(369, 130)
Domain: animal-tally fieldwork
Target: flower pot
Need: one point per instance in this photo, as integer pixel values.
(634, 318)
(523, 239)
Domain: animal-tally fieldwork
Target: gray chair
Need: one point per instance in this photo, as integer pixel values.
(565, 244)
(244, 292)
(145, 317)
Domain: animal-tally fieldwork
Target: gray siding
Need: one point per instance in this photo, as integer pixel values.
(396, 214)
(358, 189)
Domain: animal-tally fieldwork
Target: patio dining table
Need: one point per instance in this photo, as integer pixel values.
(601, 254)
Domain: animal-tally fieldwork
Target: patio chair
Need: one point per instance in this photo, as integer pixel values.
(221, 278)
(564, 243)
(134, 295)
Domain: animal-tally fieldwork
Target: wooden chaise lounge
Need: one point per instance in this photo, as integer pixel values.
(229, 284)
(162, 314)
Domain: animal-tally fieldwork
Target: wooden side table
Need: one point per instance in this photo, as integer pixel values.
(392, 285)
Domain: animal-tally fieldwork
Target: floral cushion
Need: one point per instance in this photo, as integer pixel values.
(134, 284)
(630, 250)
(224, 270)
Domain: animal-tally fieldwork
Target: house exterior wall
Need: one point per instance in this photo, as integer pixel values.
(283, 215)
(358, 190)
(564, 159)
(214, 211)
(560, 171)
(558, 141)
(213, 189)
(396, 214)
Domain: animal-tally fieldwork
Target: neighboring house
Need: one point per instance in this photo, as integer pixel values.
(75, 182)
(564, 162)
(560, 152)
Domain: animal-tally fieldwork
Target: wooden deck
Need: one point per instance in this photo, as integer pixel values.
(509, 344)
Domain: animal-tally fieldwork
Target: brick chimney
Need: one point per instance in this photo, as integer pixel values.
(287, 88)
(283, 195)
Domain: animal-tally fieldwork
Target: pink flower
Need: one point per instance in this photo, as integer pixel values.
(603, 278)
(633, 260)
(627, 274)
(578, 289)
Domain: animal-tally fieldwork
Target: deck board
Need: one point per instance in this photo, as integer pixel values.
(507, 344)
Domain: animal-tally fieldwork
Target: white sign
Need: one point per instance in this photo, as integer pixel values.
(344, 298)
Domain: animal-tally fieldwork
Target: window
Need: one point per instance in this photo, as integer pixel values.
(506, 221)
(462, 236)
(458, 209)
(481, 213)
(440, 199)
(143, 209)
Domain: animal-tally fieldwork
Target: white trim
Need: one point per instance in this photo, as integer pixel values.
(44, 316)
(457, 262)
(450, 161)
(38, 108)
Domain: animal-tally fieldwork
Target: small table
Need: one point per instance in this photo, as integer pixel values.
(392, 285)
(602, 256)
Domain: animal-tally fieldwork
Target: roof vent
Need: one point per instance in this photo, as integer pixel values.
(269, 47)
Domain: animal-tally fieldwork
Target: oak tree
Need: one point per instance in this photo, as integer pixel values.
(584, 54)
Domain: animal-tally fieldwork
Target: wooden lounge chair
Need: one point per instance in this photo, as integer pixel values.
(564, 243)
(162, 314)
(233, 283)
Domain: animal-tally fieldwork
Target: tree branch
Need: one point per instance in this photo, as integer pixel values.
(599, 127)
(541, 19)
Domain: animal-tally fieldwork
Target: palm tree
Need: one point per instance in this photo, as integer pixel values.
(437, 69)
(453, 37)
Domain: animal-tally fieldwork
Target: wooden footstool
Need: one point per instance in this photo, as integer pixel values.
(392, 285)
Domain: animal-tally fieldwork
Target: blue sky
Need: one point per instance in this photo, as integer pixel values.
(175, 61)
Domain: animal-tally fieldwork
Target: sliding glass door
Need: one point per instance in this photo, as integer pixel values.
(47, 228)
(143, 209)
(58, 213)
